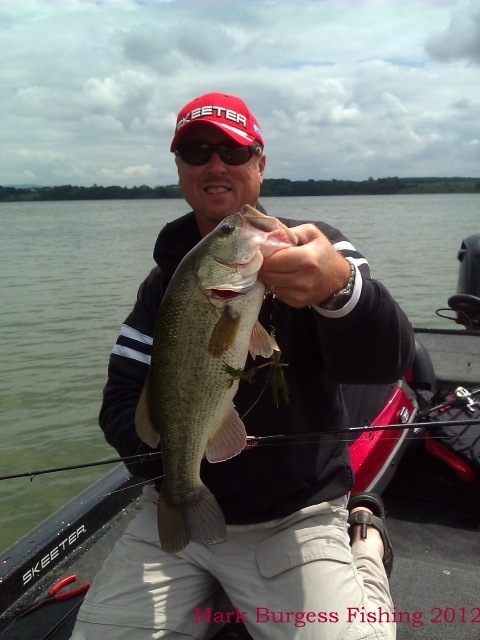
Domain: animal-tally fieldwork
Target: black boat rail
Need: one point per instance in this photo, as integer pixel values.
(31, 558)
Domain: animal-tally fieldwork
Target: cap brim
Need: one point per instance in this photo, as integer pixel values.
(242, 138)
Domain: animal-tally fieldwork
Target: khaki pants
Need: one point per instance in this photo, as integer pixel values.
(294, 577)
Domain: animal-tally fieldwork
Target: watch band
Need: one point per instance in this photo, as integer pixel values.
(340, 298)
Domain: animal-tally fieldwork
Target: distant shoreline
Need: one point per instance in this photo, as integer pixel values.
(275, 187)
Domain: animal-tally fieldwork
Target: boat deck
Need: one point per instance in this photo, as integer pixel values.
(434, 527)
(455, 355)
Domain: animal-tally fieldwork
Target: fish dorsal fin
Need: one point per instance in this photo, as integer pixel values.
(261, 342)
(229, 440)
(224, 333)
(143, 424)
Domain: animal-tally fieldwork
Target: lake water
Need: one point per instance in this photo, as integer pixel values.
(70, 272)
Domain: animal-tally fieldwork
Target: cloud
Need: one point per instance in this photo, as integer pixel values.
(460, 40)
(143, 173)
(123, 97)
(343, 89)
(165, 50)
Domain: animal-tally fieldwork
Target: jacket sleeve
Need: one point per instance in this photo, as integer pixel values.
(127, 370)
(371, 341)
(372, 344)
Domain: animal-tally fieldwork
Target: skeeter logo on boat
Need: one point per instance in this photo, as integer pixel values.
(58, 550)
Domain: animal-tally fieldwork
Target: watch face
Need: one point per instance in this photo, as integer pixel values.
(340, 299)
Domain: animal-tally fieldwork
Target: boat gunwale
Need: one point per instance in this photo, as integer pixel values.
(27, 561)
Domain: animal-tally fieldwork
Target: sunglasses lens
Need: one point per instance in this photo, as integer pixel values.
(195, 154)
(198, 154)
(235, 155)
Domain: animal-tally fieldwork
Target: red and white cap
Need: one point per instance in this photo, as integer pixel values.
(228, 113)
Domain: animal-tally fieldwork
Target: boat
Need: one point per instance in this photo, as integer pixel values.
(431, 492)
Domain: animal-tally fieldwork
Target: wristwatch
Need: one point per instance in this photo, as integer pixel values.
(340, 298)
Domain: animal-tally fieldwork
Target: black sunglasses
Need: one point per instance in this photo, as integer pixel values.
(198, 153)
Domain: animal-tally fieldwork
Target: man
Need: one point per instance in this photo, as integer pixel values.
(287, 564)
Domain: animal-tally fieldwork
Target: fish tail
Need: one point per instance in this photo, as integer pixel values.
(197, 518)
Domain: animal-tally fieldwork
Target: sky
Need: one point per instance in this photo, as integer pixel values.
(343, 89)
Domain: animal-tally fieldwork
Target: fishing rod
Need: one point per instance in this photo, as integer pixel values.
(287, 437)
(141, 457)
(255, 441)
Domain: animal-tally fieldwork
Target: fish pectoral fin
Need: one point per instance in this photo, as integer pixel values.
(229, 440)
(145, 429)
(261, 342)
(224, 333)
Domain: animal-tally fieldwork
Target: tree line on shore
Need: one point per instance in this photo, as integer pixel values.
(278, 187)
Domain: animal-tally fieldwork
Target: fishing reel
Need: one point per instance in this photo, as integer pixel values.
(461, 398)
(453, 436)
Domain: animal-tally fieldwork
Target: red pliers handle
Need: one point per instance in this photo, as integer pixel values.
(54, 595)
(66, 595)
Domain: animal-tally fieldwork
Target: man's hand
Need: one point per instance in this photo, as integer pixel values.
(306, 274)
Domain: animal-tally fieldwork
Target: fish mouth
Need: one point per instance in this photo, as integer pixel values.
(258, 219)
(225, 294)
(268, 225)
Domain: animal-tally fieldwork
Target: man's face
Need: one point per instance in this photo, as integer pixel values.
(216, 190)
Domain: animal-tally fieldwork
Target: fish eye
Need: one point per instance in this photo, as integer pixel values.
(227, 229)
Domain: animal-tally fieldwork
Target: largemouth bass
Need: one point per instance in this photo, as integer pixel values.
(207, 322)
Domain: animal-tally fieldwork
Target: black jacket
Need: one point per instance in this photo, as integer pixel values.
(372, 344)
